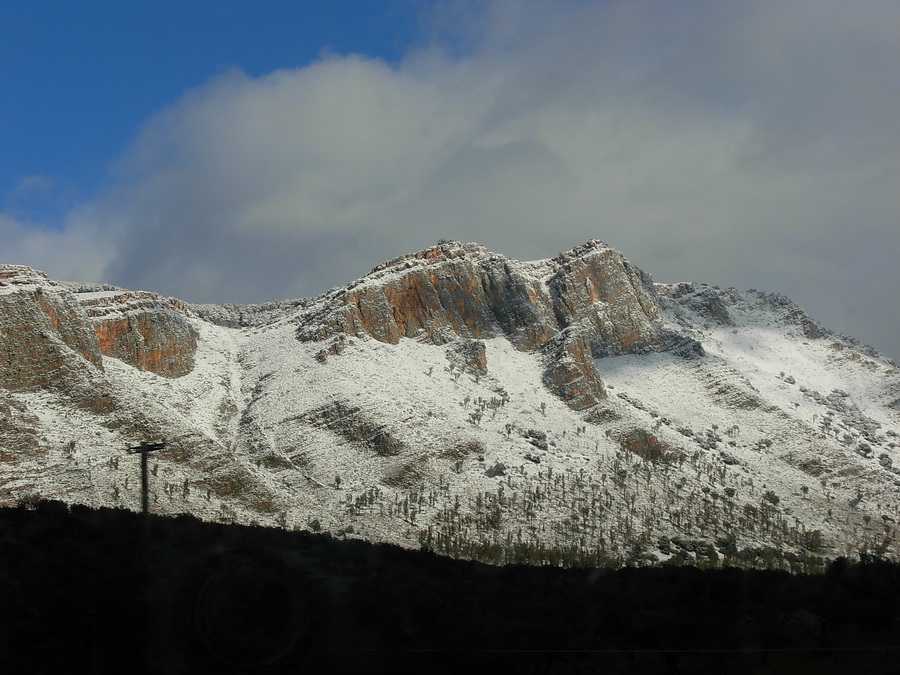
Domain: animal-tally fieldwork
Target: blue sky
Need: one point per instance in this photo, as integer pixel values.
(247, 151)
(79, 78)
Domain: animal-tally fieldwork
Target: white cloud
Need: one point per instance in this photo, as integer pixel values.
(81, 252)
(745, 144)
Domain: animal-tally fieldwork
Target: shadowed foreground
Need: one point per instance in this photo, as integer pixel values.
(92, 591)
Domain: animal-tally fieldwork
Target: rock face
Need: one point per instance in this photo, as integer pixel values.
(571, 373)
(615, 303)
(586, 303)
(463, 290)
(45, 338)
(445, 292)
(19, 429)
(711, 304)
(143, 329)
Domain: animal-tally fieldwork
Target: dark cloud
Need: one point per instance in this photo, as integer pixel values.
(741, 144)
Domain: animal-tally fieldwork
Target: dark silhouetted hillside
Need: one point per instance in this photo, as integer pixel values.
(86, 591)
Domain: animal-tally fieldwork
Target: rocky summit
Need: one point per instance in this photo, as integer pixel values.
(563, 411)
(587, 303)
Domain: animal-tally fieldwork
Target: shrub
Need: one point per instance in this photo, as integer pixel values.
(499, 469)
(813, 541)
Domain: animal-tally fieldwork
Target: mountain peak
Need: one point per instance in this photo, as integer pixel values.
(583, 250)
(456, 289)
(449, 250)
(457, 399)
(582, 304)
(442, 251)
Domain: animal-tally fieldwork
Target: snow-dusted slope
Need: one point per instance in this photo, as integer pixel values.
(790, 409)
(736, 428)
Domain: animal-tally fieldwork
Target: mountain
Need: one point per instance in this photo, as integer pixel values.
(564, 411)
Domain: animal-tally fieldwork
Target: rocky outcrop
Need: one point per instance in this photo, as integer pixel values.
(48, 333)
(463, 290)
(468, 356)
(334, 348)
(19, 430)
(791, 314)
(45, 338)
(571, 373)
(446, 292)
(352, 424)
(143, 329)
(614, 303)
(705, 301)
(585, 303)
(707, 305)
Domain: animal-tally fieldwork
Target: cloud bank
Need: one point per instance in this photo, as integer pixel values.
(741, 144)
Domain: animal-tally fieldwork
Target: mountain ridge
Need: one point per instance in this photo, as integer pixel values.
(455, 399)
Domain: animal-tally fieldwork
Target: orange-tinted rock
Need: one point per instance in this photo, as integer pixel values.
(462, 290)
(144, 330)
(590, 302)
(646, 446)
(45, 337)
(571, 373)
(440, 295)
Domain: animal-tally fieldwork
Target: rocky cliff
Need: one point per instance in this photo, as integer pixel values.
(143, 329)
(315, 413)
(45, 338)
(463, 290)
(586, 303)
(49, 334)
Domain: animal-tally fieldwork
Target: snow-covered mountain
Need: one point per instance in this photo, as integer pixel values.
(564, 410)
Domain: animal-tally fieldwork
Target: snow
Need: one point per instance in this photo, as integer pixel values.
(96, 295)
(262, 404)
(757, 359)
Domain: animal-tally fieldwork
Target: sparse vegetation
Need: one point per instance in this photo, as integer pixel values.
(581, 518)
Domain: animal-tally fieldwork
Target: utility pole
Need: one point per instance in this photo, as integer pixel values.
(145, 566)
(145, 449)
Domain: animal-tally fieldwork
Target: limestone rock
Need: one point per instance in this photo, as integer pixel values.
(693, 302)
(571, 373)
(703, 300)
(143, 329)
(19, 429)
(45, 337)
(614, 302)
(463, 290)
(352, 424)
(334, 348)
(588, 302)
(448, 291)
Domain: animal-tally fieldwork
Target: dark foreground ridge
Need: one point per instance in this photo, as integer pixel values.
(93, 591)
